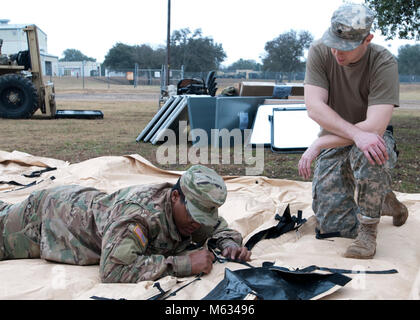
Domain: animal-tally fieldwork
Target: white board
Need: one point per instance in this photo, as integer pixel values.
(292, 129)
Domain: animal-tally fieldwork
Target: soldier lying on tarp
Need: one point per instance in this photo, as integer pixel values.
(137, 233)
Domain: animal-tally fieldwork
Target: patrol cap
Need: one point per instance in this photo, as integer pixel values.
(205, 191)
(350, 24)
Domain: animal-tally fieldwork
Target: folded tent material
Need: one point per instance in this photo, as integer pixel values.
(272, 284)
(250, 207)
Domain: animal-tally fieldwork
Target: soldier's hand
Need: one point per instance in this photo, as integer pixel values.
(201, 261)
(305, 162)
(237, 253)
(373, 146)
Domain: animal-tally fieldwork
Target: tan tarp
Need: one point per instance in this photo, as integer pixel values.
(251, 205)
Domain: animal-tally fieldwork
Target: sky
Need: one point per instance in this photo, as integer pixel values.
(242, 27)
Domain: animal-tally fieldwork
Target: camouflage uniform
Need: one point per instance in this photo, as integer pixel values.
(347, 190)
(339, 172)
(130, 233)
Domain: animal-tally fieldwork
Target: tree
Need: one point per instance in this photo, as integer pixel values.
(147, 57)
(409, 59)
(195, 52)
(191, 50)
(242, 64)
(123, 56)
(120, 56)
(285, 53)
(397, 18)
(75, 55)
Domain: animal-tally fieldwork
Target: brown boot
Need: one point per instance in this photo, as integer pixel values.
(392, 207)
(364, 247)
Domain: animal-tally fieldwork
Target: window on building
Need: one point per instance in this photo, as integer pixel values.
(48, 68)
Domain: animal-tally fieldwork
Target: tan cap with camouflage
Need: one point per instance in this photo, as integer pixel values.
(205, 191)
(350, 25)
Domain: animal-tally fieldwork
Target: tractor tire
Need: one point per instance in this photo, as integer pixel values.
(18, 97)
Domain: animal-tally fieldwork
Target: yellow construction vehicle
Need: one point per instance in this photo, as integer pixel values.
(22, 88)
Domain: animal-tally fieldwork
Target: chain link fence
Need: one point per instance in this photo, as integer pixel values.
(82, 77)
(409, 78)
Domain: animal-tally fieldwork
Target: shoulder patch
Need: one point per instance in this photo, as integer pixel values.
(140, 235)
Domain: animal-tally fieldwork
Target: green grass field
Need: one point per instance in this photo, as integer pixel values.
(79, 140)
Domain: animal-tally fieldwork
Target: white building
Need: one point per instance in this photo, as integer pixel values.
(14, 40)
(79, 68)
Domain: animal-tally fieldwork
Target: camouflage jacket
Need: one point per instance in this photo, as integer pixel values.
(140, 239)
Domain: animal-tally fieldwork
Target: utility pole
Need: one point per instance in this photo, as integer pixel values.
(168, 43)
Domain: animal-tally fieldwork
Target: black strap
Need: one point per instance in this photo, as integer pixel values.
(320, 235)
(222, 259)
(219, 258)
(333, 270)
(313, 268)
(24, 186)
(34, 174)
(198, 277)
(18, 184)
(286, 223)
(38, 173)
(159, 295)
(103, 298)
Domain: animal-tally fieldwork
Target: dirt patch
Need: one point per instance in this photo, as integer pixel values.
(108, 96)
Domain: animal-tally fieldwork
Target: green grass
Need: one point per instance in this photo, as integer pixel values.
(406, 175)
(79, 140)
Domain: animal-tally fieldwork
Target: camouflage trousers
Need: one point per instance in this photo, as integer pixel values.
(55, 224)
(20, 229)
(348, 190)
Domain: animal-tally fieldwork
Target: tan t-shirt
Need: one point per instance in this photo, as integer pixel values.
(352, 89)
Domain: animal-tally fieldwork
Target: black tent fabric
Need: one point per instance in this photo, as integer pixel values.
(274, 284)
